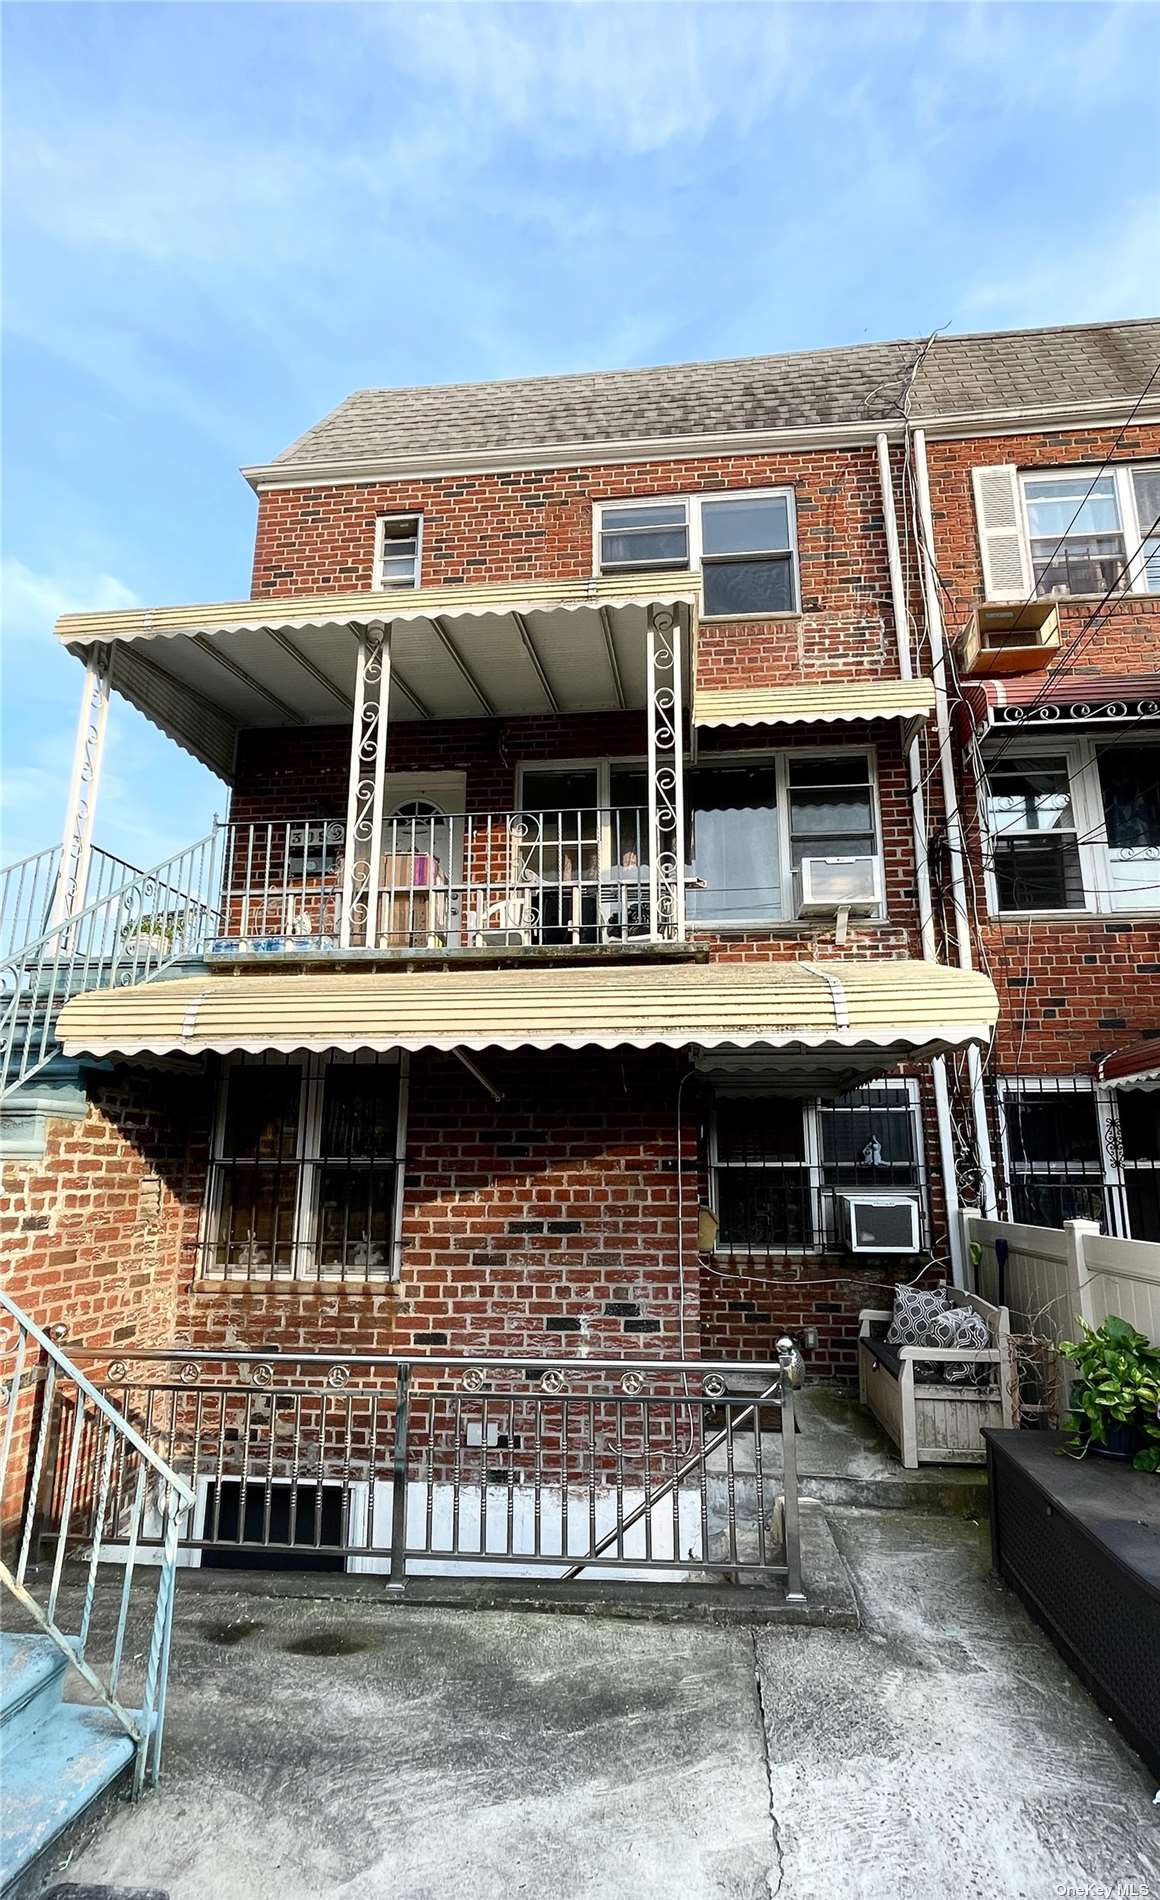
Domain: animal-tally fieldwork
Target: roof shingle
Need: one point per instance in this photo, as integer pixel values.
(856, 384)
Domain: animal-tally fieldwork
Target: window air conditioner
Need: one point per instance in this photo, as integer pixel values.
(878, 1223)
(830, 885)
(1019, 639)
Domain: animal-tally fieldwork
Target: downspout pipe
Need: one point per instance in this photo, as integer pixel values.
(927, 938)
(935, 634)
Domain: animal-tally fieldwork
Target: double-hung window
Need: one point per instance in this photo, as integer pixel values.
(400, 548)
(1082, 531)
(743, 544)
(1074, 826)
(1077, 1152)
(777, 1164)
(751, 824)
(306, 1170)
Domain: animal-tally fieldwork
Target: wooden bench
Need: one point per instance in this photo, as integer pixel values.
(937, 1424)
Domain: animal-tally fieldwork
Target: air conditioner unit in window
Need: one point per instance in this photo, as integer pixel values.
(829, 885)
(1010, 639)
(878, 1223)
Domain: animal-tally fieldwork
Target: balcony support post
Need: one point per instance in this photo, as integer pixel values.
(84, 784)
(666, 774)
(363, 856)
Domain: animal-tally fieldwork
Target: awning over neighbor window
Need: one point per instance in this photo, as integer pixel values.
(823, 702)
(905, 1008)
(1038, 700)
(1136, 1067)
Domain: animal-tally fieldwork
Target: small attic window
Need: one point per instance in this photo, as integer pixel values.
(399, 551)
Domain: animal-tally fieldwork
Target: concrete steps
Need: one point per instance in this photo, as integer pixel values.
(56, 1757)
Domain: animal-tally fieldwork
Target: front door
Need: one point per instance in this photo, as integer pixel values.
(422, 872)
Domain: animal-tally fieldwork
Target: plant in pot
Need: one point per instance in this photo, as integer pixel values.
(1115, 1397)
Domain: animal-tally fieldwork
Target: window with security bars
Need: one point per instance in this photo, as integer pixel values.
(779, 1164)
(306, 1170)
(1074, 1151)
(1074, 826)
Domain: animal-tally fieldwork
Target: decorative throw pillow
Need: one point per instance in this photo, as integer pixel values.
(960, 1327)
(915, 1310)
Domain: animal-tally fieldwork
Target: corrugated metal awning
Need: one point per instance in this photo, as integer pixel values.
(823, 702)
(907, 1007)
(205, 673)
(1136, 1067)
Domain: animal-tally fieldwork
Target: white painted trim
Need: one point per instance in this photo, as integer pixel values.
(1034, 419)
(692, 502)
(1131, 527)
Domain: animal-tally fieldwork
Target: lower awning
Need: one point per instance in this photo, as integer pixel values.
(1136, 1067)
(822, 702)
(904, 1008)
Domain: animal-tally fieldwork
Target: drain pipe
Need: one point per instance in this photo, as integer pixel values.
(938, 1067)
(934, 624)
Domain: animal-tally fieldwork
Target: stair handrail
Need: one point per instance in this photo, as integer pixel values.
(108, 1481)
(91, 949)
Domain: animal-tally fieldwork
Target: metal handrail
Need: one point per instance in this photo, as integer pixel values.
(96, 947)
(600, 1442)
(85, 1492)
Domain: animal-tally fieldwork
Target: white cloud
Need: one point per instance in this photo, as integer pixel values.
(32, 602)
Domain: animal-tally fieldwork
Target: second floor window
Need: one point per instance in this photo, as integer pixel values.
(400, 550)
(743, 544)
(1075, 827)
(752, 823)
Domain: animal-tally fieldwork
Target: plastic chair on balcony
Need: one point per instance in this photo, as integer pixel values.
(504, 925)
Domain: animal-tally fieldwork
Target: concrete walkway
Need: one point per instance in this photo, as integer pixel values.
(322, 1749)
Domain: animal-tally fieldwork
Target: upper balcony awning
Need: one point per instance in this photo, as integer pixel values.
(857, 1018)
(822, 702)
(205, 673)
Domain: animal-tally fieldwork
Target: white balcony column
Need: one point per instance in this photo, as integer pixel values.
(363, 853)
(666, 774)
(84, 783)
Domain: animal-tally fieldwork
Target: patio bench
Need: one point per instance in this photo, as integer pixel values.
(935, 1423)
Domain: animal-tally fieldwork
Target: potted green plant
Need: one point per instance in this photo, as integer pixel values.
(1115, 1398)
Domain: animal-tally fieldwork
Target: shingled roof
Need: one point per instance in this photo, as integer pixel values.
(1000, 370)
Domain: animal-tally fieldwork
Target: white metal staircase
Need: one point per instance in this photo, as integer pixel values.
(78, 1487)
(130, 926)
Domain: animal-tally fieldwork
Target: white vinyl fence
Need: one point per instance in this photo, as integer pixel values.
(1052, 1277)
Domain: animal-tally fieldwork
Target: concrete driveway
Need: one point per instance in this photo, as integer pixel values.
(321, 1749)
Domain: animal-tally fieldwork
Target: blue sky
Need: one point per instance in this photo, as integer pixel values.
(220, 219)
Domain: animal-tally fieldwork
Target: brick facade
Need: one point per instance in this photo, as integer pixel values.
(549, 1222)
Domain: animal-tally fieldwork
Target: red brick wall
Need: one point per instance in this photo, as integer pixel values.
(543, 1225)
(538, 526)
(1069, 989)
(92, 1231)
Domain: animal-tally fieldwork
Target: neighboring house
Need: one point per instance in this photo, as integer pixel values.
(586, 962)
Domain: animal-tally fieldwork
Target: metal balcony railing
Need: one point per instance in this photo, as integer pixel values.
(28, 889)
(600, 1469)
(484, 880)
